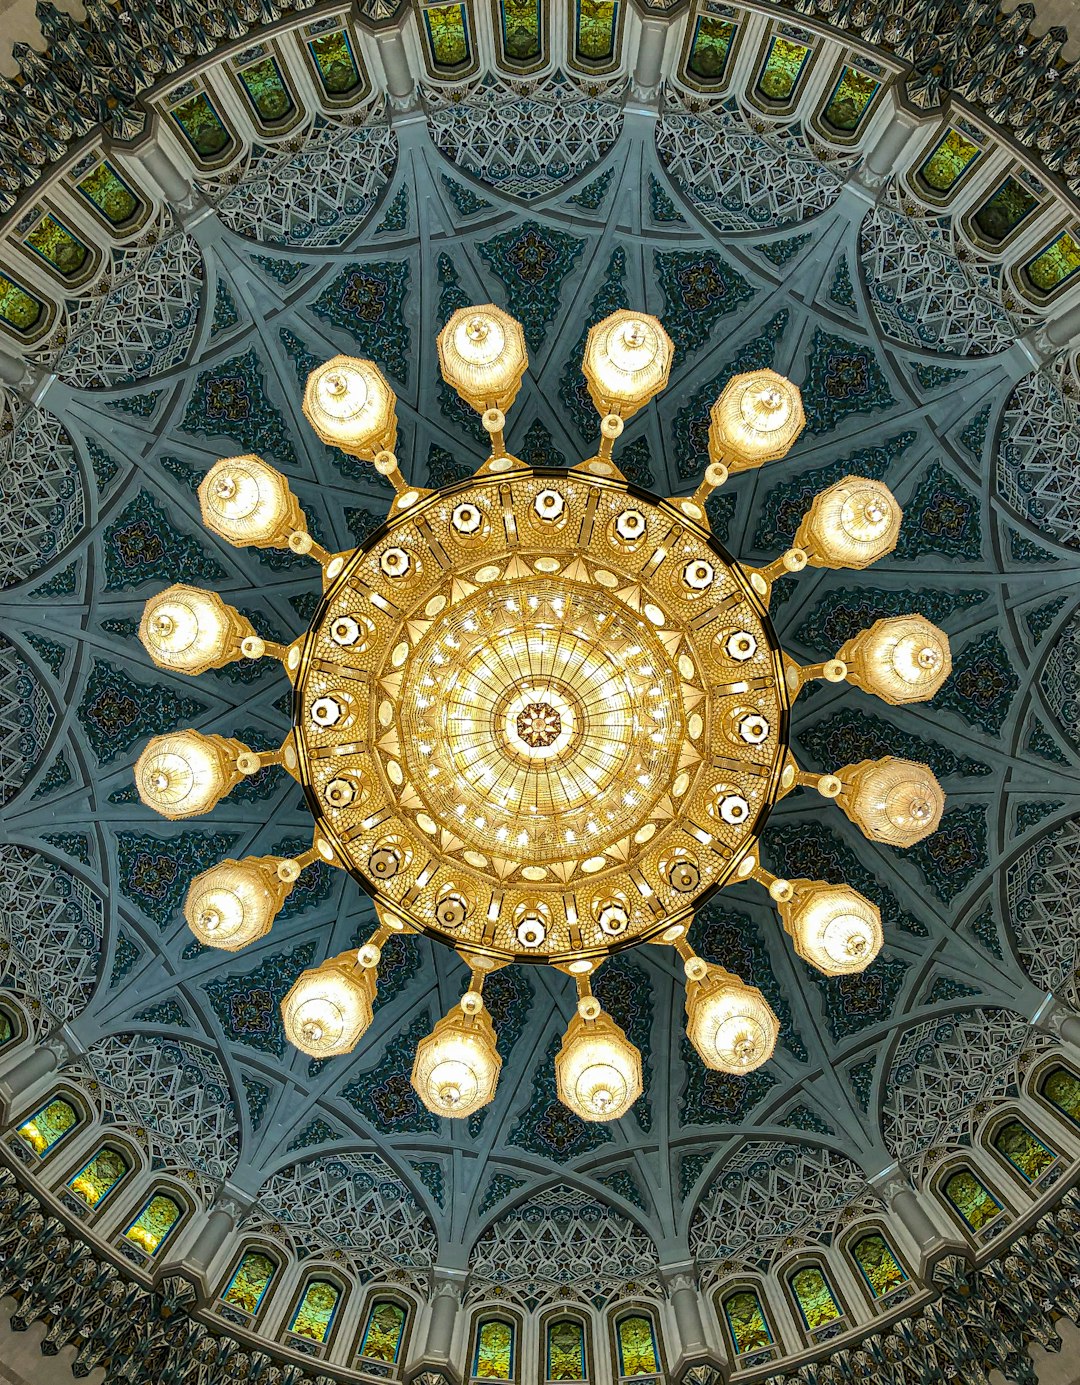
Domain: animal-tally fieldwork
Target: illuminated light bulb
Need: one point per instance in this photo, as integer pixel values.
(597, 1069)
(833, 927)
(729, 1023)
(233, 904)
(349, 405)
(756, 419)
(895, 801)
(482, 356)
(627, 361)
(190, 631)
(901, 659)
(329, 1006)
(456, 1069)
(247, 502)
(185, 773)
(850, 524)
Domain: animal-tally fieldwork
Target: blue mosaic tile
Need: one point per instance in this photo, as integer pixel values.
(431, 1175)
(75, 844)
(54, 653)
(138, 405)
(316, 1132)
(982, 685)
(396, 216)
(57, 776)
(842, 378)
(466, 202)
(634, 461)
(142, 544)
(624, 991)
(226, 314)
(116, 711)
(984, 928)
(861, 1077)
(844, 612)
(125, 954)
(538, 447)
(842, 290)
(362, 523)
(1023, 550)
(500, 1185)
(592, 194)
(622, 1181)
(248, 1004)
(63, 583)
(956, 853)
(230, 401)
(721, 511)
(852, 1003)
(257, 1096)
(533, 263)
(1029, 814)
(284, 271)
(718, 1098)
(451, 295)
(509, 998)
(546, 1127)
(691, 1167)
(384, 1094)
(699, 287)
(165, 1012)
(1041, 743)
(368, 301)
(661, 208)
(973, 436)
(103, 464)
(1041, 618)
(941, 517)
(935, 377)
(859, 735)
(154, 872)
(802, 1118)
(573, 392)
(945, 988)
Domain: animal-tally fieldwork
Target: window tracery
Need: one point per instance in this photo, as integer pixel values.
(248, 1284)
(495, 1350)
(1061, 1088)
(878, 1264)
(565, 1355)
(50, 1124)
(969, 1196)
(746, 1322)
(384, 1331)
(99, 1176)
(638, 1353)
(157, 1219)
(316, 1310)
(1024, 1150)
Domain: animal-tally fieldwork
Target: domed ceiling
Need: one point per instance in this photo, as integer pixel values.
(757, 242)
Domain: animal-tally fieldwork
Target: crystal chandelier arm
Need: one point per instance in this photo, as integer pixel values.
(251, 761)
(716, 474)
(234, 904)
(730, 1024)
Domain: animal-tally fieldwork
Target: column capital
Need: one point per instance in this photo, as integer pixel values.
(1056, 1018)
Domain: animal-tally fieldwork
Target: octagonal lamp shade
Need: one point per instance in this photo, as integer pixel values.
(833, 927)
(756, 419)
(627, 361)
(457, 1065)
(189, 630)
(248, 503)
(851, 524)
(729, 1023)
(597, 1069)
(233, 904)
(349, 404)
(895, 801)
(185, 773)
(330, 1006)
(900, 658)
(482, 355)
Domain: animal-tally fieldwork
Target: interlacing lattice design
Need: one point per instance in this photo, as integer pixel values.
(1037, 451)
(1043, 887)
(26, 718)
(1060, 680)
(40, 516)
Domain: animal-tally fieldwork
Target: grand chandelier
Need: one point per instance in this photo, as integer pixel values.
(541, 714)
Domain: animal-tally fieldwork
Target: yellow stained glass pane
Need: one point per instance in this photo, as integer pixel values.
(153, 1223)
(710, 47)
(250, 1282)
(105, 188)
(202, 126)
(335, 61)
(565, 1350)
(99, 1177)
(494, 1351)
(783, 66)
(267, 91)
(637, 1347)
(880, 1267)
(49, 1126)
(1058, 262)
(6, 1031)
(1062, 1090)
(383, 1333)
(18, 308)
(448, 33)
(520, 29)
(57, 246)
(814, 1297)
(1004, 210)
(974, 1202)
(596, 29)
(315, 1312)
(948, 161)
(1024, 1150)
(746, 1319)
(850, 99)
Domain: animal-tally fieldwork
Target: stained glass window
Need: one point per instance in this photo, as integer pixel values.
(948, 161)
(315, 1312)
(637, 1346)
(96, 1179)
(250, 1281)
(335, 62)
(710, 47)
(880, 1267)
(520, 29)
(746, 1321)
(816, 1301)
(494, 1358)
(267, 91)
(47, 1128)
(202, 126)
(975, 1203)
(1023, 1149)
(6, 1030)
(110, 194)
(448, 34)
(383, 1333)
(850, 99)
(19, 309)
(596, 21)
(156, 1220)
(1059, 261)
(565, 1350)
(1062, 1090)
(1004, 210)
(784, 63)
(58, 246)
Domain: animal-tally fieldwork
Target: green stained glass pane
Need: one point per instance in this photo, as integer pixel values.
(1001, 213)
(153, 1223)
(948, 161)
(49, 1126)
(596, 29)
(710, 47)
(1024, 1150)
(58, 246)
(335, 62)
(494, 1351)
(814, 1297)
(637, 1347)
(746, 1319)
(267, 91)
(315, 1312)
(250, 1282)
(6, 1031)
(520, 29)
(783, 65)
(850, 99)
(1058, 262)
(202, 126)
(880, 1267)
(105, 188)
(448, 34)
(975, 1203)
(383, 1333)
(96, 1180)
(1062, 1090)
(565, 1350)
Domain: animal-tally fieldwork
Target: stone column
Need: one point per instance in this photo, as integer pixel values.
(903, 1201)
(1053, 1016)
(883, 156)
(683, 1292)
(648, 70)
(25, 1078)
(195, 1262)
(400, 83)
(444, 1311)
(171, 181)
(13, 371)
(694, 1362)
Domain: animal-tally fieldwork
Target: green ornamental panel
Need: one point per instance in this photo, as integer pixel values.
(96, 1179)
(58, 246)
(448, 34)
(520, 29)
(1024, 1150)
(201, 126)
(816, 1301)
(880, 1267)
(1062, 1089)
(250, 1282)
(637, 1346)
(154, 1223)
(948, 161)
(782, 68)
(596, 20)
(746, 1322)
(850, 100)
(106, 190)
(1004, 210)
(267, 92)
(315, 1312)
(383, 1332)
(49, 1126)
(335, 62)
(494, 1358)
(710, 47)
(1057, 263)
(975, 1203)
(565, 1350)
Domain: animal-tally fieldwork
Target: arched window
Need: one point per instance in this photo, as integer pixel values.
(850, 100)
(154, 1223)
(383, 1332)
(1007, 206)
(710, 48)
(250, 1281)
(878, 1265)
(784, 65)
(816, 1300)
(594, 30)
(636, 1338)
(110, 195)
(99, 1176)
(1055, 264)
(971, 1198)
(335, 62)
(1023, 1149)
(520, 32)
(8, 1029)
(947, 162)
(197, 120)
(447, 31)
(59, 246)
(19, 309)
(493, 1355)
(564, 1350)
(316, 1310)
(266, 89)
(746, 1322)
(1061, 1088)
(53, 1123)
